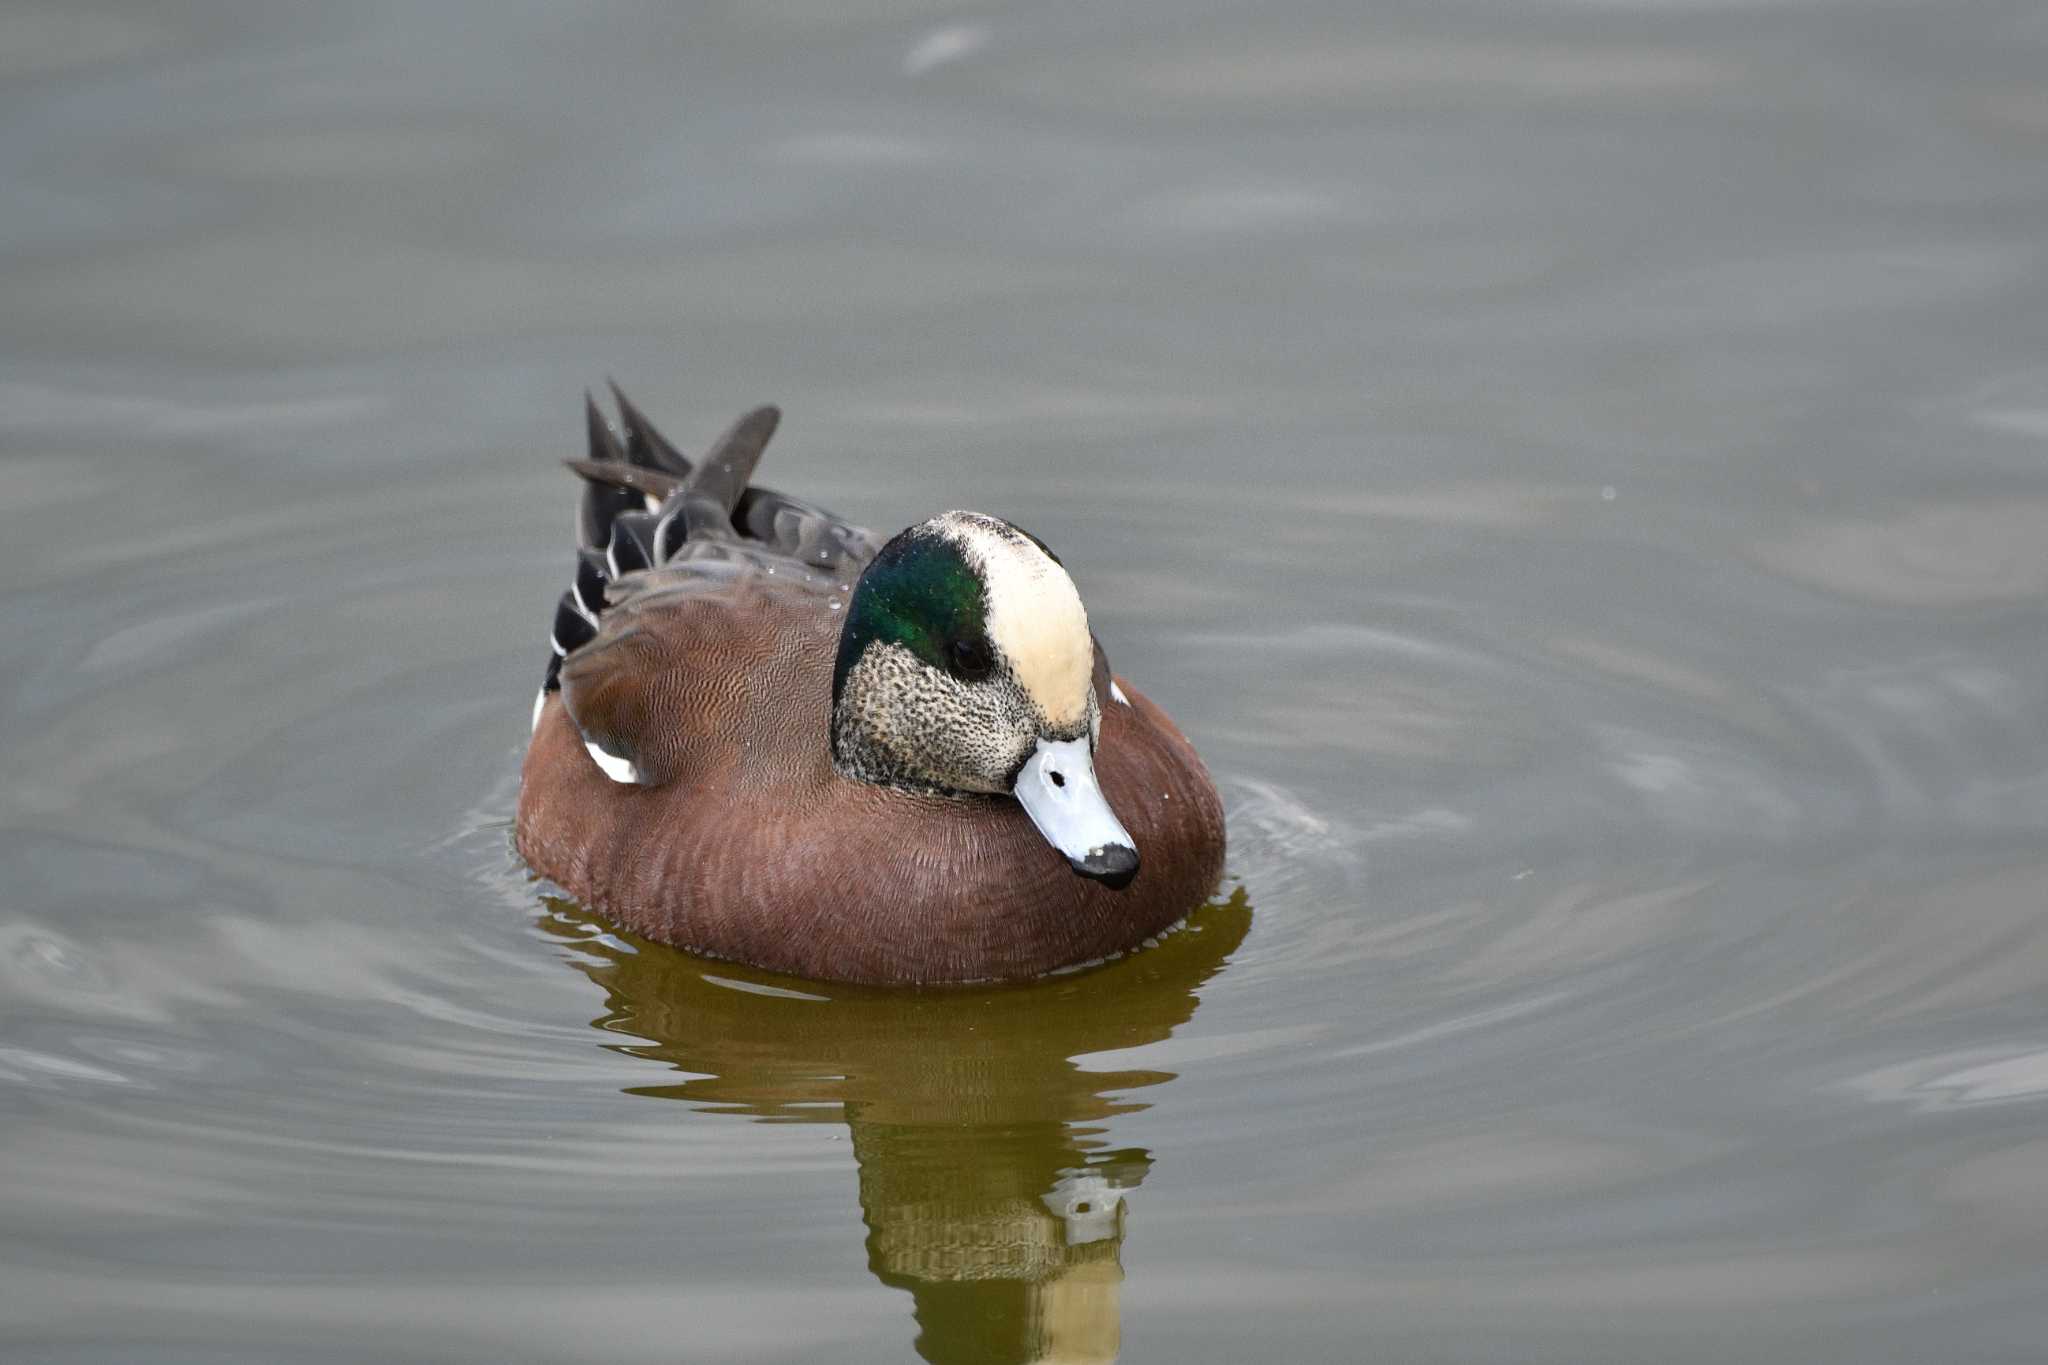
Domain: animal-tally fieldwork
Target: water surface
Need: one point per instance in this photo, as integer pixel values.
(1578, 471)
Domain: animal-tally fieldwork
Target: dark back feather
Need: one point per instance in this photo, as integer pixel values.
(652, 521)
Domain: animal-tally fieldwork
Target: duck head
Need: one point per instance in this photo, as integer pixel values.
(966, 665)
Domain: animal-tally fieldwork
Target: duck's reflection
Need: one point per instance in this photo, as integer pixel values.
(988, 1180)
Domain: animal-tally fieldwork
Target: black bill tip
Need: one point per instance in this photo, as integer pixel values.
(1112, 864)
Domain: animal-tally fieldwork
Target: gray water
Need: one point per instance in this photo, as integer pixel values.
(1579, 471)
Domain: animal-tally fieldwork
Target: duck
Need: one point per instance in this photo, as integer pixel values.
(769, 736)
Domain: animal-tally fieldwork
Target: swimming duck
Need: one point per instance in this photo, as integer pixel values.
(766, 735)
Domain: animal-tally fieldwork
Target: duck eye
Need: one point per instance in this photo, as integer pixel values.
(970, 658)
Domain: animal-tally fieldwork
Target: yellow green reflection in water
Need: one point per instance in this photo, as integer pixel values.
(989, 1181)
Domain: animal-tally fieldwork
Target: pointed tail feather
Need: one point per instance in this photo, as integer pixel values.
(603, 501)
(645, 445)
(714, 490)
(653, 483)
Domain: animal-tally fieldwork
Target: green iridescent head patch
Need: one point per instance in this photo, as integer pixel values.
(921, 593)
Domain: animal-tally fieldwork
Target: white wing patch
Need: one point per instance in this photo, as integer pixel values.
(1117, 693)
(618, 769)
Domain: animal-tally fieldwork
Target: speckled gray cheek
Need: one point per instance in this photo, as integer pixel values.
(901, 722)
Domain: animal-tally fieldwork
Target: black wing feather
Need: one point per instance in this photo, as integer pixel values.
(710, 523)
